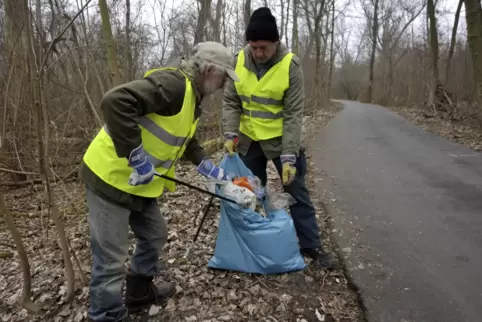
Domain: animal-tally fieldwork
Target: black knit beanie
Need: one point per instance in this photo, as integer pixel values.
(262, 26)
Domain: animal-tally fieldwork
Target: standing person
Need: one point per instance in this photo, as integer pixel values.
(262, 120)
(150, 124)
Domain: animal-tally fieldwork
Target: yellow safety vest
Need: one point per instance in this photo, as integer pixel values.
(262, 100)
(164, 139)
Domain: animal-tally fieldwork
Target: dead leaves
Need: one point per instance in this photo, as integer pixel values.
(460, 131)
(202, 294)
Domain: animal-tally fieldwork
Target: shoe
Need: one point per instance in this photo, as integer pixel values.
(320, 257)
(141, 292)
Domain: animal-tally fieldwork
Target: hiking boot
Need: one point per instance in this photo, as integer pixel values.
(320, 257)
(141, 292)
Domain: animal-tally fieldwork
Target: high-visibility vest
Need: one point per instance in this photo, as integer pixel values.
(262, 100)
(164, 140)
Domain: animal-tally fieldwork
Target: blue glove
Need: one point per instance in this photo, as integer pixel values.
(208, 169)
(143, 171)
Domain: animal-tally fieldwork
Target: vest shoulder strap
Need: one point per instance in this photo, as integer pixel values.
(149, 72)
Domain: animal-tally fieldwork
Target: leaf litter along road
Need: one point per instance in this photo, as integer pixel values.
(202, 294)
(460, 130)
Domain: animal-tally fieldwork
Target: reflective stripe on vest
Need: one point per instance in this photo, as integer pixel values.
(262, 100)
(164, 139)
(166, 164)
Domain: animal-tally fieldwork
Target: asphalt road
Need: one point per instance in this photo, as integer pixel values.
(407, 215)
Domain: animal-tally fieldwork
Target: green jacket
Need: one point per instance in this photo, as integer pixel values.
(293, 109)
(162, 92)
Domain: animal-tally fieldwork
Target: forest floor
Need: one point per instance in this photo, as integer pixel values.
(461, 131)
(202, 294)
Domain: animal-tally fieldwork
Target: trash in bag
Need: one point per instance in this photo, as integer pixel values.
(278, 200)
(275, 200)
(242, 195)
(249, 242)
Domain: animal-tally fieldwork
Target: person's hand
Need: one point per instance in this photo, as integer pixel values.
(208, 169)
(143, 170)
(231, 139)
(289, 170)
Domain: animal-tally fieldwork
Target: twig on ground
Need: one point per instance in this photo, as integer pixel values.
(19, 172)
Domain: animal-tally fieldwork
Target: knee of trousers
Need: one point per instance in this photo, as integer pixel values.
(159, 237)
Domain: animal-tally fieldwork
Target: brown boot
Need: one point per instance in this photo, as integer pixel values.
(141, 292)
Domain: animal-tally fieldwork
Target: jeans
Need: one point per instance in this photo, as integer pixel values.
(303, 212)
(109, 228)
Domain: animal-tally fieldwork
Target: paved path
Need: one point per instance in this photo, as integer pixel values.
(410, 221)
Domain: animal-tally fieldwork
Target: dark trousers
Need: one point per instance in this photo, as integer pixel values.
(303, 212)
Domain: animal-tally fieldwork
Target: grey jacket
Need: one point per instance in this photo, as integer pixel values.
(293, 109)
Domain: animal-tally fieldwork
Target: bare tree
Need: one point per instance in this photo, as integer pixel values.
(294, 38)
(110, 43)
(473, 14)
(332, 51)
(130, 64)
(374, 39)
(453, 39)
(247, 12)
(434, 51)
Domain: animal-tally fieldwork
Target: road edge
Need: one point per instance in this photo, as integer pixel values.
(326, 217)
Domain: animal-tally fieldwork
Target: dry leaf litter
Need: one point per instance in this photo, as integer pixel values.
(457, 130)
(202, 294)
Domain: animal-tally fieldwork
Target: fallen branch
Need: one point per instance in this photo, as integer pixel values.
(7, 245)
(20, 183)
(19, 172)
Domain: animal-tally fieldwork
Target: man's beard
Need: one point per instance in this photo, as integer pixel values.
(209, 87)
(262, 61)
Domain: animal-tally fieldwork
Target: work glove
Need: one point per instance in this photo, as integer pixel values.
(288, 162)
(208, 169)
(143, 169)
(231, 140)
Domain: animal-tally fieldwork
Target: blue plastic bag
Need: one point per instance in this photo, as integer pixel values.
(248, 242)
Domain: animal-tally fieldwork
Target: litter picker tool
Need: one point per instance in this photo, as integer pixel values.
(212, 194)
(205, 214)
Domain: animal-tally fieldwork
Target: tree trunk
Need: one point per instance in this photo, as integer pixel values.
(318, 34)
(282, 24)
(130, 64)
(453, 39)
(224, 24)
(473, 15)
(16, 90)
(294, 37)
(202, 30)
(373, 51)
(433, 39)
(288, 2)
(434, 51)
(111, 46)
(36, 69)
(332, 52)
(247, 12)
(217, 21)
